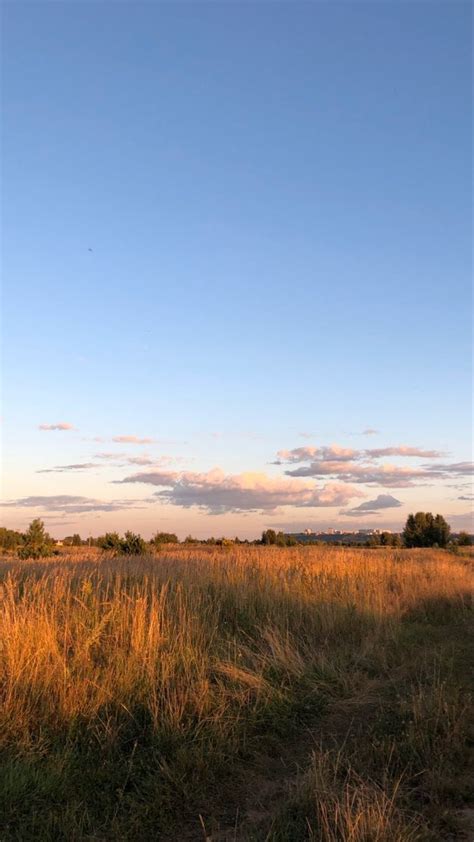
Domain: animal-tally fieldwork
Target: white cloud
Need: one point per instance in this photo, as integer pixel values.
(61, 425)
(335, 453)
(217, 492)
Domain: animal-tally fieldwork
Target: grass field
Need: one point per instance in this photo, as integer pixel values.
(258, 693)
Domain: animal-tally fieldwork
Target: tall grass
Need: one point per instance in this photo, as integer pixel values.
(139, 696)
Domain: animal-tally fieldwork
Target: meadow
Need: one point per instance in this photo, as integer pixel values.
(237, 693)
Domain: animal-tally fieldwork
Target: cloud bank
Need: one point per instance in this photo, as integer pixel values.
(363, 467)
(217, 492)
(70, 503)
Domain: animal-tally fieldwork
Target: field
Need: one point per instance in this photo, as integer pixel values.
(242, 693)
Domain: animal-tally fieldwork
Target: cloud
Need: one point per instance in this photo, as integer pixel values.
(83, 466)
(371, 507)
(455, 469)
(369, 431)
(69, 503)
(148, 460)
(360, 466)
(108, 455)
(335, 453)
(357, 513)
(122, 459)
(386, 475)
(133, 440)
(461, 521)
(217, 492)
(466, 497)
(62, 425)
(403, 450)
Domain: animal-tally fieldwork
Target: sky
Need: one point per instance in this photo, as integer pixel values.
(236, 265)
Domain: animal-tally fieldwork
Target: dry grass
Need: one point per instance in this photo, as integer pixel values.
(137, 696)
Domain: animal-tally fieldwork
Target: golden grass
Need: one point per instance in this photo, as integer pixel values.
(154, 677)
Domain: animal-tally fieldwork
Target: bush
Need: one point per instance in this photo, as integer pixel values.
(164, 538)
(109, 541)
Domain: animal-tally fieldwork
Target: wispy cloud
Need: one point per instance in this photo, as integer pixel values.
(61, 425)
(70, 503)
(59, 469)
(402, 450)
(371, 507)
(109, 455)
(461, 469)
(217, 492)
(370, 431)
(133, 440)
(122, 459)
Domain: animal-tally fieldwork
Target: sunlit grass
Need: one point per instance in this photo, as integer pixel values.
(137, 695)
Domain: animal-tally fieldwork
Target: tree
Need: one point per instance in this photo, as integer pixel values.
(440, 531)
(9, 539)
(37, 542)
(424, 530)
(132, 544)
(464, 539)
(76, 540)
(269, 536)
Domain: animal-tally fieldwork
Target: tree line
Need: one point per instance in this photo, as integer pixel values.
(422, 529)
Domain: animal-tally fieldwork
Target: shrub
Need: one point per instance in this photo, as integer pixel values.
(109, 541)
(164, 538)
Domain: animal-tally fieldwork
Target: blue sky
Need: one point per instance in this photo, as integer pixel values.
(278, 202)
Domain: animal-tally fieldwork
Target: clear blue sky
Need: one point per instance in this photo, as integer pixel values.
(278, 201)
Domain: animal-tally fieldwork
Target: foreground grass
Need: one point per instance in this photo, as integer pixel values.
(173, 697)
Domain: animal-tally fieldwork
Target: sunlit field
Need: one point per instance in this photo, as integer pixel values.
(242, 693)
